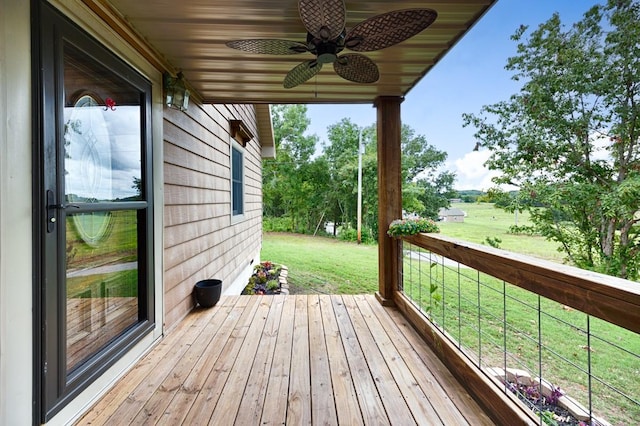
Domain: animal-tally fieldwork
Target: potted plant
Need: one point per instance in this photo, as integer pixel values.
(207, 292)
(402, 227)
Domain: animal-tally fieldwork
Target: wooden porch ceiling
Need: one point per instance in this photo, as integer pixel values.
(190, 35)
(290, 360)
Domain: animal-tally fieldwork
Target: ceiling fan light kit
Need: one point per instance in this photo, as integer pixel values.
(327, 37)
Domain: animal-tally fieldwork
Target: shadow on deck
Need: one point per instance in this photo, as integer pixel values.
(303, 359)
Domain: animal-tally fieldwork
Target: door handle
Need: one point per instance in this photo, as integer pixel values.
(52, 208)
(51, 211)
(66, 206)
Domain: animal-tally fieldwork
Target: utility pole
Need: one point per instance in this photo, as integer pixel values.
(360, 186)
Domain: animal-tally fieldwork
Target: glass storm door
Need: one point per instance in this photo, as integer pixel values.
(96, 286)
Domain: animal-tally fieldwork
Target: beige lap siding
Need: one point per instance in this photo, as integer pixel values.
(200, 240)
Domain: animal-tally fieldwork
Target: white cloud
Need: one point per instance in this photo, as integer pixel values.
(471, 172)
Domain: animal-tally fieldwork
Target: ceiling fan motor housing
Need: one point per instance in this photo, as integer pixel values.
(326, 51)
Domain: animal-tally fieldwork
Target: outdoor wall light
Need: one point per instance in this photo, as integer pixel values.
(176, 91)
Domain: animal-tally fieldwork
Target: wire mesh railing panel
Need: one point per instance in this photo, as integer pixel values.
(586, 364)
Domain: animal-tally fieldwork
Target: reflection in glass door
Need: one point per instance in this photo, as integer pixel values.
(96, 285)
(102, 166)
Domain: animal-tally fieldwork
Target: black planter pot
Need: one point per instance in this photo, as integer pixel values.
(207, 292)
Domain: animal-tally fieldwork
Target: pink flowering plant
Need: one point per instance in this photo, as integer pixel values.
(264, 279)
(402, 227)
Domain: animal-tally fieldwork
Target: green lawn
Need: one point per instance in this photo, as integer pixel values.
(323, 265)
(119, 284)
(484, 220)
(118, 244)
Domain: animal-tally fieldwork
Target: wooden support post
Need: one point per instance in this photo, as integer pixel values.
(389, 193)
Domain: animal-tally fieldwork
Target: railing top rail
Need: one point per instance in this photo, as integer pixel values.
(613, 299)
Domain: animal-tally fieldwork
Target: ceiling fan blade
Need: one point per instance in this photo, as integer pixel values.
(388, 29)
(324, 19)
(301, 73)
(357, 68)
(269, 46)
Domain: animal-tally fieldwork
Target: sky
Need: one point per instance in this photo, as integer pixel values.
(103, 152)
(470, 76)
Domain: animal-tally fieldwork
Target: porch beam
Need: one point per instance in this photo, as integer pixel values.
(389, 193)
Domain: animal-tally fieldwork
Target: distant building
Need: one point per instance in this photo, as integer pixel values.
(451, 215)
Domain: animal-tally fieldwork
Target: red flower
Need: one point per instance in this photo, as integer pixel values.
(110, 104)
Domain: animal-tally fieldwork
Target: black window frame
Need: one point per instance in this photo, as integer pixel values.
(237, 181)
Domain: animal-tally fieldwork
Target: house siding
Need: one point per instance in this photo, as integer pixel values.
(200, 239)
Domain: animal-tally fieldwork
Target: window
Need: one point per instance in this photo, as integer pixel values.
(237, 180)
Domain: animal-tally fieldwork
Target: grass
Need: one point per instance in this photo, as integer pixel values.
(348, 268)
(323, 265)
(484, 220)
(117, 245)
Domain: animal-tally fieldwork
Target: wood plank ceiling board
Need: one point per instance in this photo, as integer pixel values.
(190, 35)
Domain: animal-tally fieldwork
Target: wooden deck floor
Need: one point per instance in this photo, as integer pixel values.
(292, 360)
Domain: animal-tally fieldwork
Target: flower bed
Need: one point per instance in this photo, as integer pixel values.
(267, 278)
(549, 402)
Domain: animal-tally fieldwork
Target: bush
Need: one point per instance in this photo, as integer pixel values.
(350, 234)
(276, 224)
(493, 242)
(522, 230)
(402, 227)
(264, 279)
(273, 285)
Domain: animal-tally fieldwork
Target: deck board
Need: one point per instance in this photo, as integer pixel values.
(294, 359)
(236, 385)
(255, 391)
(346, 400)
(414, 396)
(323, 407)
(207, 399)
(366, 390)
(454, 404)
(194, 382)
(299, 405)
(390, 394)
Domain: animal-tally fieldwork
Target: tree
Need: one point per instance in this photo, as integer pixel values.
(304, 189)
(292, 182)
(424, 190)
(570, 139)
(137, 185)
(341, 154)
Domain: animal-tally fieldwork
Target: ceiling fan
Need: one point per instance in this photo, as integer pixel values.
(327, 36)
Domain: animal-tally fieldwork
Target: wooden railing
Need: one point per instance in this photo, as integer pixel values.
(611, 299)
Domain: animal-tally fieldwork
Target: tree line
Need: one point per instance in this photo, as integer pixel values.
(303, 189)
